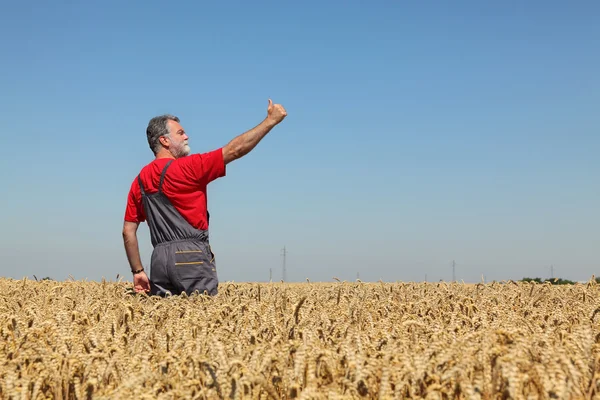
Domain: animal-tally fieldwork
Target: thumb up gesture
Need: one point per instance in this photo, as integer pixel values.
(276, 112)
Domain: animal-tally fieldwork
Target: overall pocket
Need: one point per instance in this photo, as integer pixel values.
(189, 263)
(192, 263)
(189, 257)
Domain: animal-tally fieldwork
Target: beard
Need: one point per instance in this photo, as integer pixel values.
(180, 149)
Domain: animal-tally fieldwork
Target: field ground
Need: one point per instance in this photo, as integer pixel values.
(312, 340)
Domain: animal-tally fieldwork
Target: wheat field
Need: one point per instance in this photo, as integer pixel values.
(81, 340)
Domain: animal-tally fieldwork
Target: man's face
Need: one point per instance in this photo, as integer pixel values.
(178, 140)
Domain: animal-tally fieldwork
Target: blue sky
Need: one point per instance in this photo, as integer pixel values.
(417, 134)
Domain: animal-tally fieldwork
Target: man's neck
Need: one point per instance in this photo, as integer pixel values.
(163, 154)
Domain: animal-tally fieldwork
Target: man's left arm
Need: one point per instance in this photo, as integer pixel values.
(131, 245)
(141, 283)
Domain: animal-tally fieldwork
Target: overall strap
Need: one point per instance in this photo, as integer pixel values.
(162, 176)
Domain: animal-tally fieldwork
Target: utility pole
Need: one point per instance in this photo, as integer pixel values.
(552, 271)
(284, 253)
(270, 274)
(453, 271)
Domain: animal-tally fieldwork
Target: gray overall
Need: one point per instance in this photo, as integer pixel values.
(182, 260)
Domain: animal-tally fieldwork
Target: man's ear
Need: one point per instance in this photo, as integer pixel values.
(164, 141)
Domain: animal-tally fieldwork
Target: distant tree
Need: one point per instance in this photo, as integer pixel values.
(537, 280)
(553, 281)
(561, 281)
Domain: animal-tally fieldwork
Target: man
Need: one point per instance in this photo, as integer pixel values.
(170, 194)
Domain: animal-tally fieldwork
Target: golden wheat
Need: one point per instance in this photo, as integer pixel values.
(81, 340)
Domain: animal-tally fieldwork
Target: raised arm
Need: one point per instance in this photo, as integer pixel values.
(244, 143)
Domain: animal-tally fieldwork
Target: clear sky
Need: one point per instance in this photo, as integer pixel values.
(418, 133)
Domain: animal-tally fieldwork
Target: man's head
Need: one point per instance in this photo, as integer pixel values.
(166, 134)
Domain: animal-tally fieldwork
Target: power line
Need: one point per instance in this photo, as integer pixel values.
(284, 254)
(453, 271)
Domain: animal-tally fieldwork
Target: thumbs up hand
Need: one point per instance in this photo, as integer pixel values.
(275, 112)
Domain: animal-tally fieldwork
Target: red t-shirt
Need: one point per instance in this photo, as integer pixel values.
(184, 185)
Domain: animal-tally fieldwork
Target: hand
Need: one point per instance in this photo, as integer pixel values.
(276, 112)
(141, 283)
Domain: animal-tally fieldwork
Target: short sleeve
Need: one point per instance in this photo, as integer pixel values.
(134, 211)
(207, 167)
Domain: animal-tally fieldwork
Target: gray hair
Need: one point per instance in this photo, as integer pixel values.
(157, 127)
